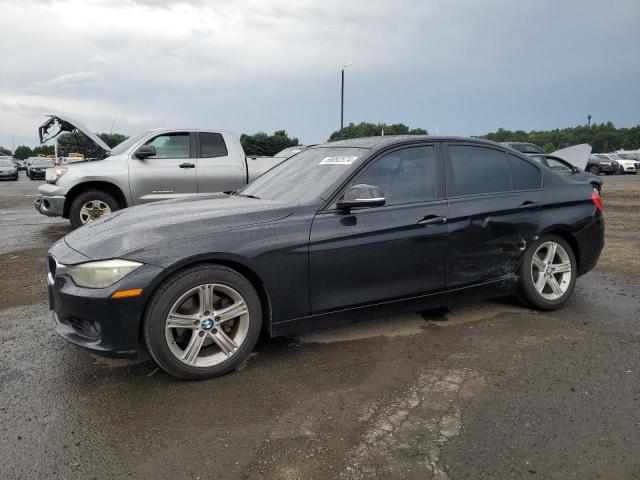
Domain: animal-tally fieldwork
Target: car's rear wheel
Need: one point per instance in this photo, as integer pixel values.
(89, 206)
(593, 169)
(548, 273)
(202, 322)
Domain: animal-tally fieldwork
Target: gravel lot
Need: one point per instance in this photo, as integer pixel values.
(485, 390)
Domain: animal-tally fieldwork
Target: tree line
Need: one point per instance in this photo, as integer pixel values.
(603, 137)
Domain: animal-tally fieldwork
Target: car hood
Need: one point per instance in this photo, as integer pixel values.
(57, 124)
(125, 232)
(577, 155)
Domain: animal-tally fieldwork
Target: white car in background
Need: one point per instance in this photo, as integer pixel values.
(626, 166)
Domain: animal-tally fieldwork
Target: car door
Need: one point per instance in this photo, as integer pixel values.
(218, 169)
(494, 200)
(170, 173)
(377, 253)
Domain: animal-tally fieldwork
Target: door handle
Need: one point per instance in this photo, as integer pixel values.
(529, 204)
(187, 165)
(433, 220)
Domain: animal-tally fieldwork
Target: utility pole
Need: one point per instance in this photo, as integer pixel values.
(344, 65)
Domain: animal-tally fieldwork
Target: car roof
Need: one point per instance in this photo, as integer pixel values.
(382, 141)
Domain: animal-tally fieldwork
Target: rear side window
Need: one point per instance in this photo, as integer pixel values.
(477, 170)
(524, 176)
(212, 145)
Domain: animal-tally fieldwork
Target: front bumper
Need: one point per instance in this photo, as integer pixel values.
(52, 206)
(5, 175)
(89, 317)
(38, 175)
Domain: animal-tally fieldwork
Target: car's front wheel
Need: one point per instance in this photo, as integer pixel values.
(548, 273)
(202, 322)
(89, 206)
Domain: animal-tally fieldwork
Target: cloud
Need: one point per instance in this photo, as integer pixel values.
(466, 67)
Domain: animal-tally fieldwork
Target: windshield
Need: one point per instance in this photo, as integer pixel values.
(306, 176)
(41, 163)
(124, 146)
(626, 156)
(289, 152)
(6, 162)
(613, 156)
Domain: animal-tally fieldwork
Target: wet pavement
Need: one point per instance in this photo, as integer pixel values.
(484, 390)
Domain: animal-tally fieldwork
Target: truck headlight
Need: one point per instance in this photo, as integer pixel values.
(101, 274)
(51, 175)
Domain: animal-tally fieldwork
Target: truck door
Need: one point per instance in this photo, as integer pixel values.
(220, 168)
(170, 173)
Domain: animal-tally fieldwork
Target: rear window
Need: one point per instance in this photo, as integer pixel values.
(524, 176)
(212, 145)
(478, 170)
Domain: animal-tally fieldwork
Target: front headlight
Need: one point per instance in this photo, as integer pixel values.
(52, 175)
(101, 274)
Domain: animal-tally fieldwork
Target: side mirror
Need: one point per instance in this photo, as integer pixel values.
(145, 151)
(361, 196)
(575, 170)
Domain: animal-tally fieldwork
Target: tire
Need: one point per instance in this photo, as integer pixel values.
(101, 202)
(170, 346)
(594, 169)
(547, 298)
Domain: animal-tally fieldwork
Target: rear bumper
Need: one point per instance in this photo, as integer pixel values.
(590, 244)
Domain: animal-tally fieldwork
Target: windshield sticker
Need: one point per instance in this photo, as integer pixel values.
(338, 160)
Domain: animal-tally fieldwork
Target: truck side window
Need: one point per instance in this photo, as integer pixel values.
(212, 145)
(172, 145)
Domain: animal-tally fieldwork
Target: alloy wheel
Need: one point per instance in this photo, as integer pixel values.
(93, 209)
(551, 270)
(207, 325)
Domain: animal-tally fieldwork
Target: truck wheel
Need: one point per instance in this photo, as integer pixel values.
(548, 273)
(90, 205)
(202, 322)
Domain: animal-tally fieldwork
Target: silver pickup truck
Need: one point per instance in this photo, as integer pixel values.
(154, 165)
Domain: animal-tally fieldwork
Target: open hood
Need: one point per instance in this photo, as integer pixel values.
(578, 155)
(56, 124)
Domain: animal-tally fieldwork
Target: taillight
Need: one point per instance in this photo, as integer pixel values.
(597, 200)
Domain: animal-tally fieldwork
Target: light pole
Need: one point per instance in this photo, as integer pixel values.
(344, 65)
(589, 120)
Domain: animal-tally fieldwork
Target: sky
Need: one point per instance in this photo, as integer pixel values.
(453, 67)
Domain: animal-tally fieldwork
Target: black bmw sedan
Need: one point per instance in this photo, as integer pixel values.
(338, 230)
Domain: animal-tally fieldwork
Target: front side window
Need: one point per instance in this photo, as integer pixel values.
(525, 176)
(405, 176)
(477, 170)
(171, 145)
(212, 145)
